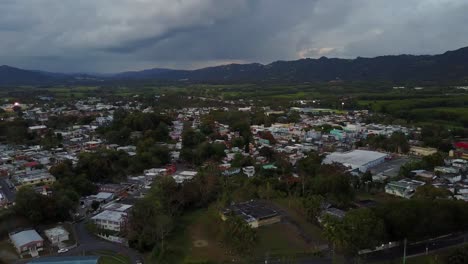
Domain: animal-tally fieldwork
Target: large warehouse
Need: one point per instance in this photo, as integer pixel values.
(356, 160)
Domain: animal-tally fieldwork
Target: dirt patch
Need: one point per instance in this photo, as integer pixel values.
(200, 243)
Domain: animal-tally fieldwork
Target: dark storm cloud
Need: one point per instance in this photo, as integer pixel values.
(115, 35)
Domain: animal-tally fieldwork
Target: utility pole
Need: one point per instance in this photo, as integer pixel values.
(404, 252)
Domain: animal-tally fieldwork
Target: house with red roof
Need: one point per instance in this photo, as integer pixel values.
(461, 149)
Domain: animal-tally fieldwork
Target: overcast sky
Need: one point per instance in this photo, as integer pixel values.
(120, 35)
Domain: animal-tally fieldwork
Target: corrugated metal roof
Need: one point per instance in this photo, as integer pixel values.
(24, 237)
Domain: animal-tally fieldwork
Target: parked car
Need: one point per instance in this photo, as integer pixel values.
(62, 250)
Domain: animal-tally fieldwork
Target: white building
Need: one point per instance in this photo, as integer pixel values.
(57, 235)
(249, 171)
(403, 188)
(361, 160)
(110, 220)
(184, 176)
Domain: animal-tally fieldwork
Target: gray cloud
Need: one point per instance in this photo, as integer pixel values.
(117, 35)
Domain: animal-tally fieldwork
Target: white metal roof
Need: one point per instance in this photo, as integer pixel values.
(355, 158)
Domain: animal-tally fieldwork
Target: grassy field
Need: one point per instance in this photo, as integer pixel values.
(281, 240)
(293, 208)
(109, 257)
(196, 240)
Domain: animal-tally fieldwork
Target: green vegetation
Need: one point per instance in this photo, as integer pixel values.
(426, 163)
(180, 223)
(44, 209)
(109, 257)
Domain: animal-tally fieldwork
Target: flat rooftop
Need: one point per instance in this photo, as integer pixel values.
(251, 210)
(355, 158)
(108, 215)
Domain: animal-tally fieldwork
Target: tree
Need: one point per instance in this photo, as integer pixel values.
(458, 256)
(308, 167)
(430, 192)
(41, 209)
(363, 230)
(312, 206)
(399, 142)
(27, 203)
(294, 117)
(62, 170)
(359, 229)
(148, 224)
(267, 152)
(333, 183)
(238, 235)
(95, 205)
(192, 138)
(208, 184)
(268, 136)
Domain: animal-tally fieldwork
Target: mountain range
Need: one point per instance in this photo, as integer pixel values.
(447, 67)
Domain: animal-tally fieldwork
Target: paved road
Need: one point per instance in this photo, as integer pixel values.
(9, 193)
(89, 242)
(418, 248)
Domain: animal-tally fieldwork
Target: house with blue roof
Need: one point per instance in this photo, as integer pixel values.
(27, 242)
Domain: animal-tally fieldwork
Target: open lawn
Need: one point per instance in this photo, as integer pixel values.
(292, 208)
(281, 239)
(196, 240)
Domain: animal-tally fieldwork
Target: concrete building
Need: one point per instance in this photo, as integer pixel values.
(118, 207)
(255, 213)
(110, 220)
(420, 151)
(184, 176)
(403, 188)
(57, 235)
(333, 212)
(356, 160)
(27, 242)
(249, 171)
(34, 177)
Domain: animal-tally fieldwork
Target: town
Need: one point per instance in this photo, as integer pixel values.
(92, 177)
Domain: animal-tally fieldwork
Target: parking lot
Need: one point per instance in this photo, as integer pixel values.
(390, 168)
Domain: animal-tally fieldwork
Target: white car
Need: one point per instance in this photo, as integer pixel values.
(62, 250)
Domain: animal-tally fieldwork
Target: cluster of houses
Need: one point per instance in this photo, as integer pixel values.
(322, 130)
(30, 243)
(451, 177)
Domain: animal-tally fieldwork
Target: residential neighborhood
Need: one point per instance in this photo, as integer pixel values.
(342, 140)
